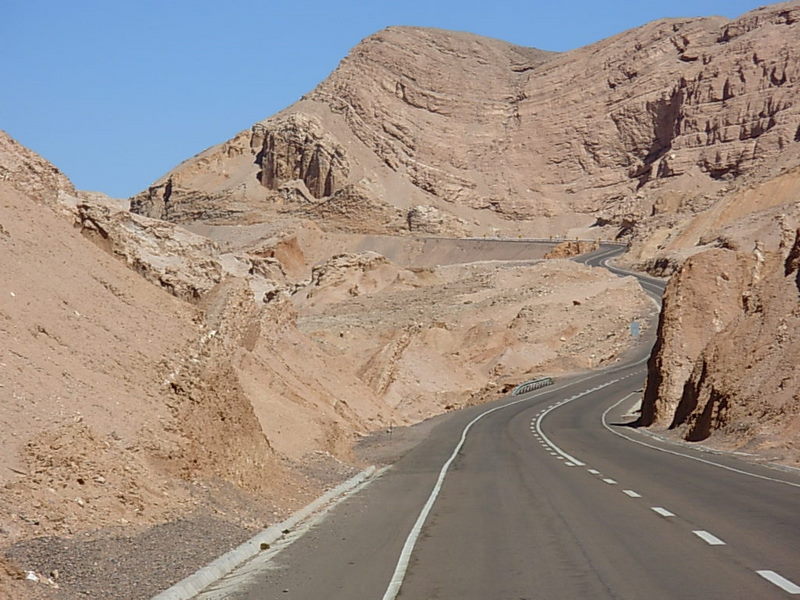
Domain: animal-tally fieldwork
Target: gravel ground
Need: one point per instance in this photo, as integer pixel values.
(132, 566)
(121, 564)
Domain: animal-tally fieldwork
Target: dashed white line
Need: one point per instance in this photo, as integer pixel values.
(610, 481)
(708, 538)
(569, 464)
(781, 582)
(662, 511)
(569, 457)
(593, 471)
(631, 493)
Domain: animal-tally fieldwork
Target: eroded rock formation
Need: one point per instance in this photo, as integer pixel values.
(729, 342)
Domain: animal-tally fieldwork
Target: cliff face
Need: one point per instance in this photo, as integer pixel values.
(654, 121)
(729, 342)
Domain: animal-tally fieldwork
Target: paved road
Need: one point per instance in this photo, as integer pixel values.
(547, 499)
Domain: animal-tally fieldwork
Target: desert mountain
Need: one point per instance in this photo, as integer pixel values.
(681, 136)
(658, 121)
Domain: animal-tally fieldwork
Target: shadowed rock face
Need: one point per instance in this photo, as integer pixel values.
(648, 121)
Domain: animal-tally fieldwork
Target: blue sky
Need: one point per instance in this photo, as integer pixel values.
(117, 93)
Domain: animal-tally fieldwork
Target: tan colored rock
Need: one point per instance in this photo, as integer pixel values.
(296, 147)
(738, 385)
(30, 174)
(429, 219)
(700, 301)
(572, 248)
(185, 264)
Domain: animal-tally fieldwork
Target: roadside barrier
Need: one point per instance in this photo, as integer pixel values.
(533, 384)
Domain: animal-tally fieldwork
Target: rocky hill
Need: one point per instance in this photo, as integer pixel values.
(636, 132)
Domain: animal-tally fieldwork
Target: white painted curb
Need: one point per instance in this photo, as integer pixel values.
(201, 579)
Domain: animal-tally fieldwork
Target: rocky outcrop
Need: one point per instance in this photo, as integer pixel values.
(737, 379)
(429, 219)
(571, 248)
(296, 147)
(30, 174)
(689, 321)
(187, 265)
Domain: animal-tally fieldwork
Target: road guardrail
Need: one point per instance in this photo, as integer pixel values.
(533, 384)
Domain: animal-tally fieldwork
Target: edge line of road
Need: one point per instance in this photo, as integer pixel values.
(676, 453)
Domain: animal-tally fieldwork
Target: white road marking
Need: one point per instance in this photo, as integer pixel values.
(708, 538)
(405, 554)
(631, 493)
(610, 481)
(398, 576)
(593, 471)
(697, 458)
(569, 464)
(781, 582)
(662, 511)
(569, 457)
(560, 457)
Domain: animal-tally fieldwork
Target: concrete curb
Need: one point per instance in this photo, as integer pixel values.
(201, 579)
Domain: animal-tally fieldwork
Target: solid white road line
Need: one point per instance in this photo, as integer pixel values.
(708, 538)
(781, 582)
(631, 493)
(697, 458)
(662, 511)
(610, 481)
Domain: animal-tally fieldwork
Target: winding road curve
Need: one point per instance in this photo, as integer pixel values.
(548, 495)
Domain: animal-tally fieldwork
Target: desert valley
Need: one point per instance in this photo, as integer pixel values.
(184, 367)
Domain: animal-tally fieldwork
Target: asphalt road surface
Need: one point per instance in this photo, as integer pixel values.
(548, 495)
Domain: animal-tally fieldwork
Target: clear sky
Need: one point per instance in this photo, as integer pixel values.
(117, 93)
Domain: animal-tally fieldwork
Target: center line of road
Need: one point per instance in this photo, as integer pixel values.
(662, 511)
(569, 457)
(781, 582)
(610, 481)
(631, 493)
(708, 538)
